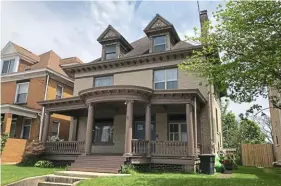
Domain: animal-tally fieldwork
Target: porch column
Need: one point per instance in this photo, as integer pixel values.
(148, 127)
(89, 132)
(195, 126)
(46, 126)
(129, 124)
(72, 129)
(7, 123)
(190, 135)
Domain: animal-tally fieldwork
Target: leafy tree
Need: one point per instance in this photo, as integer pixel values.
(250, 132)
(248, 37)
(265, 124)
(229, 127)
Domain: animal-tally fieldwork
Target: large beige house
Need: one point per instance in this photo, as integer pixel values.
(276, 127)
(134, 105)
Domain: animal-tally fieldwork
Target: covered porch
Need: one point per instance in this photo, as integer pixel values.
(136, 122)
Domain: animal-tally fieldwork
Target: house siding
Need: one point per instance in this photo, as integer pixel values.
(139, 78)
(81, 84)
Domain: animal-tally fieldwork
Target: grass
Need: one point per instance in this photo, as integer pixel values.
(243, 176)
(12, 173)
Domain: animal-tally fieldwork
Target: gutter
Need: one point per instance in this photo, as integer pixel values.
(43, 108)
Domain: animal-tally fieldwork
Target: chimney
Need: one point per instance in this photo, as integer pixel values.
(203, 19)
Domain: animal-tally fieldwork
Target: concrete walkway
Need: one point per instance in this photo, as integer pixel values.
(81, 174)
(226, 174)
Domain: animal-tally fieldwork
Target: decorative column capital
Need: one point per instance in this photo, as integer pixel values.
(129, 101)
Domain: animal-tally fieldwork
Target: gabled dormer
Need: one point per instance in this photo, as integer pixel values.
(162, 34)
(114, 45)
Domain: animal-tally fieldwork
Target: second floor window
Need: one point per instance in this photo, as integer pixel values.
(8, 66)
(166, 79)
(159, 44)
(110, 52)
(103, 81)
(21, 93)
(59, 93)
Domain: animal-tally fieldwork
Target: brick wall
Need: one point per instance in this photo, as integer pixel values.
(52, 90)
(13, 151)
(22, 65)
(36, 92)
(8, 91)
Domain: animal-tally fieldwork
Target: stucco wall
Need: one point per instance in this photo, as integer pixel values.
(81, 84)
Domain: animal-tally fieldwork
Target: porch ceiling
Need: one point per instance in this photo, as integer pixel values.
(19, 110)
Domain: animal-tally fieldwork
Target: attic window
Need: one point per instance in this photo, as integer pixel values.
(159, 44)
(110, 52)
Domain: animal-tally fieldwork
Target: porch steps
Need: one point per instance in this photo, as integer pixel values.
(55, 180)
(98, 163)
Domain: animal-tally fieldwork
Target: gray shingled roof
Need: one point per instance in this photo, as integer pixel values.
(141, 47)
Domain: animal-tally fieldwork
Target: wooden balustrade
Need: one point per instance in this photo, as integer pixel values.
(65, 147)
(139, 147)
(169, 148)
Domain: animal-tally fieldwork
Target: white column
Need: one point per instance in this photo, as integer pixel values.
(129, 128)
(189, 123)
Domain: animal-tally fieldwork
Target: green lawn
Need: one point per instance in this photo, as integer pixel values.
(12, 173)
(244, 176)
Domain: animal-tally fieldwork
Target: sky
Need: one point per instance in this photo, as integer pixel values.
(72, 28)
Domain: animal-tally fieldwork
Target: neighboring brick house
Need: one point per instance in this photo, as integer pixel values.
(25, 79)
(135, 102)
(276, 126)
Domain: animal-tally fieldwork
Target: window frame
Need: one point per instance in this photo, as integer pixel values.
(58, 133)
(154, 45)
(9, 66)
(101, 77)
(17, 92)
(165, 81)
(106, 53)
(111, 135)
(62, 89)
(23, 125)
(179, 123)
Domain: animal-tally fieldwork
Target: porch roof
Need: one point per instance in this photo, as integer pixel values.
(19, 110)
(124, 93)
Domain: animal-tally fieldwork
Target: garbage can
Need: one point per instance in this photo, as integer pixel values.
(207, 163)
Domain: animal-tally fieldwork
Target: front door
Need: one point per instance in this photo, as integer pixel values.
(139, 130)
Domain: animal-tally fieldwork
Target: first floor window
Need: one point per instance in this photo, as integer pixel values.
(103, 81)
(177, 132)
(8, 66)
(59, 93)
(13, 128)
(166, 79)
(21, 93)
(25, 133)
(103, 133)
(55, 128)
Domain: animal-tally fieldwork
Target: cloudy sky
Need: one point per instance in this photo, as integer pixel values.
(72, 28)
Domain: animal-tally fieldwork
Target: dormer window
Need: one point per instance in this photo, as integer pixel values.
(8, 66)
(159, 43)
(110, 52)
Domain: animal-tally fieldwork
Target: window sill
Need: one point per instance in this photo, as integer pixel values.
(103, 143)
(21, 103)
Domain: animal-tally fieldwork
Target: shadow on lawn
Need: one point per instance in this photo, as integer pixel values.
(261, 173)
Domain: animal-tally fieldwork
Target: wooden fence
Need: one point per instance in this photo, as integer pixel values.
(258, 155)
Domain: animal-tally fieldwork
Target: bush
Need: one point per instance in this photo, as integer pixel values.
(54, 139)
(44, 164)
(128, 169)
(4, 138)
(32, 152)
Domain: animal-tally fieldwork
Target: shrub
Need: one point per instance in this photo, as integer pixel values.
(128, 169)
(44, 164)
(54, 139)
(4, 138)
(32, 152)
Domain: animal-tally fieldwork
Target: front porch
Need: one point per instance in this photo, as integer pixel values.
(140, 124)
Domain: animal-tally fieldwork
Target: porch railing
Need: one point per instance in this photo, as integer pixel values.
(65, 147)
(169, 148)
(162, 148)
(139, 147)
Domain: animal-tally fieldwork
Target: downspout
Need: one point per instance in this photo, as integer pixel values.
(43, 108)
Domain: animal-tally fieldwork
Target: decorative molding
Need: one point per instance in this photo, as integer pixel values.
(158, 24)
(109, 34)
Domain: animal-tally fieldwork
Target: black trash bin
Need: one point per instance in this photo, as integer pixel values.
(207, 163)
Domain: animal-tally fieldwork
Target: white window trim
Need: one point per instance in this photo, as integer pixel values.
(17, 89)
(165, 42)
(22, 127)
(179, 124)
(165, 81)
(16, 58)
(62, 89)
(58, 128)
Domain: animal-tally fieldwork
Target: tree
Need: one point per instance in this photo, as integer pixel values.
(250, 132)
(229, 127)
(248, 37)
(264, 122)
